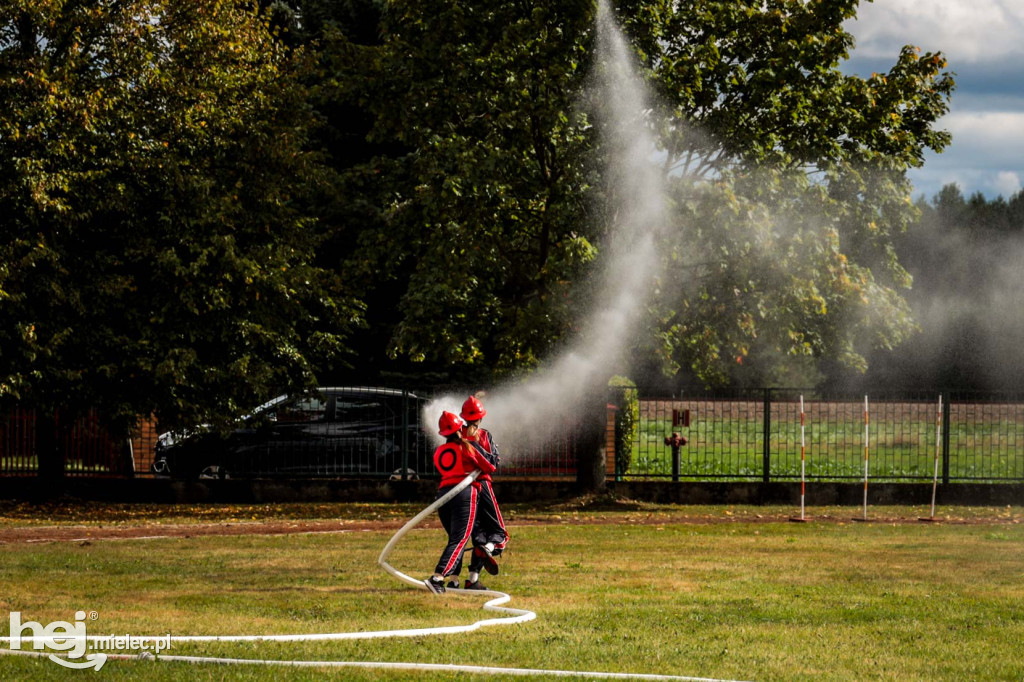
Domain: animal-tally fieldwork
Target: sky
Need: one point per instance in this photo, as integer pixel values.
(983, 42)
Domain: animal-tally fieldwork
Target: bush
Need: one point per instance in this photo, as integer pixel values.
(627, 421)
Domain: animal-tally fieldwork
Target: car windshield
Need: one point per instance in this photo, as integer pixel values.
(308, 409)
(267, 406)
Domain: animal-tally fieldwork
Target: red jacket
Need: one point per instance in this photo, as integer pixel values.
(486, 446)
(455, 461)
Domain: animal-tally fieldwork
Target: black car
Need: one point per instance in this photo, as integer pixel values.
(332, 432)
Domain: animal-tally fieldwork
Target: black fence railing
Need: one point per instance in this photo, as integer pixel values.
(766, 435)
(341, 432)
(87, 449)
(781, 434)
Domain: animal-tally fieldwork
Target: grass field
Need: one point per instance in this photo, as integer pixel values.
(717, 592)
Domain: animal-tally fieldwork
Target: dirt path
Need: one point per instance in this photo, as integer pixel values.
(75, 533)
(89, 533)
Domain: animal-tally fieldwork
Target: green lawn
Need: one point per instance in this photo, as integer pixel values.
(733, 446)
(708, 592)
(30, 464)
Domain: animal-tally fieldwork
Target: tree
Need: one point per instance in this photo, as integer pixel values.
(157, 242)
(351, 203)
(791, 178)
(788, 179)
(483, 224)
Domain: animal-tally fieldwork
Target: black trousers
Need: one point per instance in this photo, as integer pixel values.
(490, 527)
(457, 516)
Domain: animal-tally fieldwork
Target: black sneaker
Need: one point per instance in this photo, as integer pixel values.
(475, 586)
(490, 565)
(453, 584)
(435, 585)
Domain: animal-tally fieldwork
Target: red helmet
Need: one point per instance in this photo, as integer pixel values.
(449, 423)
(472, 410)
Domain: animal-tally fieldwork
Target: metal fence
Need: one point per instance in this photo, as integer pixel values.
(351, 432)
(755, 435)
(87, 448)
(765, 435)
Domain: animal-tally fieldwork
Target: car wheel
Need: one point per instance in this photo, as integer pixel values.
(396, 475)
(214, 471)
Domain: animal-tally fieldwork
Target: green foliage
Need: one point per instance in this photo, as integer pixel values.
(627, 422)
(788, 180)
(155, 242)
(483, 225)
(170, 245)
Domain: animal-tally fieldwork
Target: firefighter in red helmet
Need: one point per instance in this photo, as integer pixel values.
(455, 460)
(489, 534)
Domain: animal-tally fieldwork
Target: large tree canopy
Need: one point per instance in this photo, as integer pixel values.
(791, 180)
(482, 222)
(171, 244)
(788, 178)
(156, 249)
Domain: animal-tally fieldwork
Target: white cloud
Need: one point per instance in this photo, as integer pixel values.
(1007, 183)
(964, 30)
(987, 155)
(991, 183)
(983, 41)
(997, 135)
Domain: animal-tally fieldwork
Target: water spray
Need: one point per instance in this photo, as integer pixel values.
(528, 414)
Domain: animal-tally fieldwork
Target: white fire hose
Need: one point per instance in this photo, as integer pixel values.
(517, 615)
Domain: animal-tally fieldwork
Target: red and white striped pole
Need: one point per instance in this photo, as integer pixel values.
(938, 447)
(865, 458)
(803, 469)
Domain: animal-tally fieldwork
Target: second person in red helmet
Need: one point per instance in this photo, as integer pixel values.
(489, 533)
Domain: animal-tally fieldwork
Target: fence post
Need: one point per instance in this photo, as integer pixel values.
(50, 456)
(767, 456)
(945, 439)
(675, 463)
(405, 434)
(591, 454)
(128, 458)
